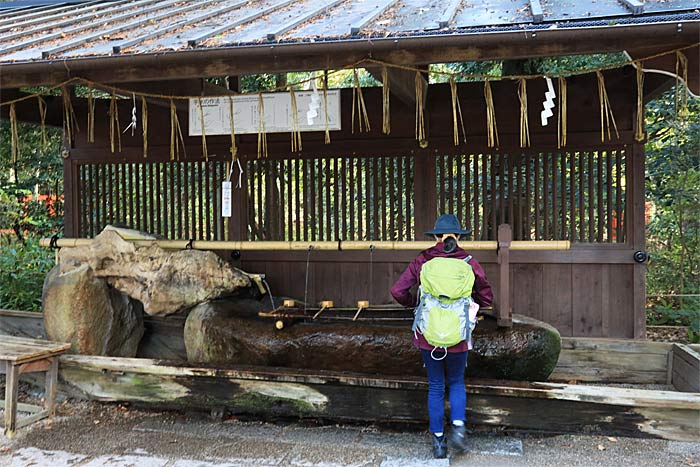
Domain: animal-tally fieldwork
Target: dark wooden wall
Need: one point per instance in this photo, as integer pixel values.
(594, 289)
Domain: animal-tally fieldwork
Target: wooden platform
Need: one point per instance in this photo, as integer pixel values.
(276, 392)
(20, 355)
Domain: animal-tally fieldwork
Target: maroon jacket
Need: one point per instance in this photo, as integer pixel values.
(401, 291)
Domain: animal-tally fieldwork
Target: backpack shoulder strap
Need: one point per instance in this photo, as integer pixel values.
(468, 258)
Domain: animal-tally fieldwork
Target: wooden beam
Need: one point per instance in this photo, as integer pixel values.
(536, 11)
(192, 42)
(402, 84)
(174, 26)
(296, 21)
(505, 310)
(345, 396)
(38, 37)
(635, 6)
(449, 13)
(141, 21)
(363, 22)
(323, 55)
(685, 370)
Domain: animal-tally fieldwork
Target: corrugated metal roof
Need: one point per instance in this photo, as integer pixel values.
(94, 29)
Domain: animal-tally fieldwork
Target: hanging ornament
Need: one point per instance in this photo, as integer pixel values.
(548, 103)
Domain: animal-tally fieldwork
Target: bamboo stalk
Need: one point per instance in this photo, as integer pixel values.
(327, 246)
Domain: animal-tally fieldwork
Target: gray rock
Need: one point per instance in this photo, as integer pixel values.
(164, 281)
(229, 331)
(96, 319)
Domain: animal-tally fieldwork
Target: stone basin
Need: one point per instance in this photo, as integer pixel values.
(229, 332)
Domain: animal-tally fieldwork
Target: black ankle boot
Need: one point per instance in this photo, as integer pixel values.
(458, 438)
(439, 447)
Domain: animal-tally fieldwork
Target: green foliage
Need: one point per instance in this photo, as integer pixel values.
(677, 312)
(38, 171)
(673, 188)
(23, 267)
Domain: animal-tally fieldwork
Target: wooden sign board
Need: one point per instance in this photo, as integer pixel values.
(278, 113)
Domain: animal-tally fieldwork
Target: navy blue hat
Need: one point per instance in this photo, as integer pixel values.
(448, 224)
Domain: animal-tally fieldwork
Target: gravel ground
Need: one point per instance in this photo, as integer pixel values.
(92, 434)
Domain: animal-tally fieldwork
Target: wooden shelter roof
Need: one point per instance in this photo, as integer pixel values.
(281, 35)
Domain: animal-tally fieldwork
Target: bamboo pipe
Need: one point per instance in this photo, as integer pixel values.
(323, 246)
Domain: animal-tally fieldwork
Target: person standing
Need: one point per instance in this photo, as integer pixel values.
(448, 366)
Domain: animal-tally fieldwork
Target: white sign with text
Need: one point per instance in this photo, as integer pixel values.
(278, 113)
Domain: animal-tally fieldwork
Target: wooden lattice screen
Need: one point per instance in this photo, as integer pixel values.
(575, 195)
(360, 198)
(177, 200)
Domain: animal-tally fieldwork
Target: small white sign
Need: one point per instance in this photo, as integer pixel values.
(278, 113)
(225, 199)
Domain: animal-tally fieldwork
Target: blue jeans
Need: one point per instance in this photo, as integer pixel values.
(451, 368)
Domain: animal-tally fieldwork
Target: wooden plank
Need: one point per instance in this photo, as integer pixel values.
(345, 396)
(635, 6)
(410, 180)
(545, 196)
(11, 393)
(527, 284)
(685, 368)
(619, 305)
(556, 307)
(587, 300)
(477, 216)
(591, 198)
(50, 388)
(537, 188)
(536, 11)
(528, 195)
(493, 227)
(555, 213)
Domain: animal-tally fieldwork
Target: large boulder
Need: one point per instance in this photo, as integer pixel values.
(95, 318)
(226, 332)
(164, 281)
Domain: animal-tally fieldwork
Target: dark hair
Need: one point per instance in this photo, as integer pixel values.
(450, 244)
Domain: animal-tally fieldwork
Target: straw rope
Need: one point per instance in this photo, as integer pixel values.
(42, 116)
(144, 125)
(606, 113)
(204, 135)
(639, 134)
(176, 137)
(491, 127)
(562, 116)
(234, 148)
(14, 132)
(369, 61)
(70, 124)
(681, 96)
(361, 108)
(386, 116)
(524, 123)
(114, 132)
(420, 114)
(262, 136)
(91, 117)
(456, 112)
(296, 132)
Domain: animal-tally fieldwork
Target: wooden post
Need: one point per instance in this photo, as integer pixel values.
(505, 312)
(50, 393)
(11, 390)
(635, 225)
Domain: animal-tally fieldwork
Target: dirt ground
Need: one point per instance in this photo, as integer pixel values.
(119, 435)
(677, 334)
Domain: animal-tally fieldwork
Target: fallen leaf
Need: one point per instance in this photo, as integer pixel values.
(96, 422)
(4, 449)
(612, 439)
(601, 447)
